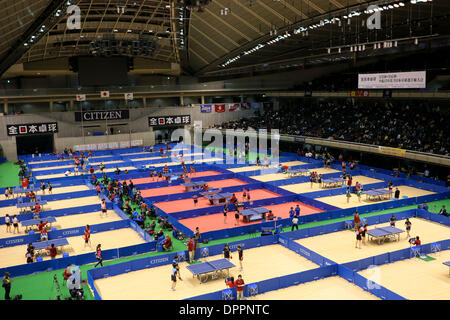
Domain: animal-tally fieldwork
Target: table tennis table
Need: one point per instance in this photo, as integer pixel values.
(220, 197)
(332, 183)
(447, 263)
(254, 214)
(192, 185)
(380, 194)
(204, 269)
(20, 190)
(384, 233)
(34, 222)
(297, 172)
(41, 246)
(30, 204)
(210, 192)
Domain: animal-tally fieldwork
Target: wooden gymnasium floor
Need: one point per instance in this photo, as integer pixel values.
(154, 284)
(62, 175)
(282, 176)
(70, 221)
(414, 278)
(331, 288)
(54, 205)
(12, 256)
(255, 167)
(340, 201)
(340, 246)
(305, 187)
(57, 190)
(71, 166)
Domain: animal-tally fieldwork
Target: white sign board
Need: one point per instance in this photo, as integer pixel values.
(397, 80)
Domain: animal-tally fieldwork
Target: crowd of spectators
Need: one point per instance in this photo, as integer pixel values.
(413, 126)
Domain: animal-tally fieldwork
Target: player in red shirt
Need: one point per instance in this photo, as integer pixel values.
(239, 283)
(191, 249)
(37, 209)
(87, 237)
(166, 169)
(53, 251)
(41, 226)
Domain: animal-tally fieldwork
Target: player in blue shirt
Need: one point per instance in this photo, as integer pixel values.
(291, 213)
(297, 210)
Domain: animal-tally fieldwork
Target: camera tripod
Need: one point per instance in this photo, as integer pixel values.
(57, 288)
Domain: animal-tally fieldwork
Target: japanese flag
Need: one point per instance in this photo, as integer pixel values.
(104, 94)
(81, 97)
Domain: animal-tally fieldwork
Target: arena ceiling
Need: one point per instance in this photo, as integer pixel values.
(224, 36)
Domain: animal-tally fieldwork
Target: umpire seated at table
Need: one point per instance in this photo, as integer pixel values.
(270, 215)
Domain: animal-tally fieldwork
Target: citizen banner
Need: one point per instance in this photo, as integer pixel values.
(169, 120)
(102, 115)
(31, 128)
(397, 80)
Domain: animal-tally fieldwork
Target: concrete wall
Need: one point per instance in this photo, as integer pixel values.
(70, 132)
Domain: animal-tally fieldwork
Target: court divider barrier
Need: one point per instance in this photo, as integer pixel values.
(367, 284)
(166, 259)
(53, 197)
(82, 259)
(394, 256)
(277, 283)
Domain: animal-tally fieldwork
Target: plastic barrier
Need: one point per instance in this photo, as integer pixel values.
(62, 263)
(278, 283)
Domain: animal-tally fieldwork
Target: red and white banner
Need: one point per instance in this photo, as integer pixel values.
(233, 107)
(220, 107)
(104, 94)
(81, 97)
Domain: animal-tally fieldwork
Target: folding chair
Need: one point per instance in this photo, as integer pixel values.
(252, 290)
(415, 251)
(435, 247)
(181, 256)
(227, 294)
(204, 252)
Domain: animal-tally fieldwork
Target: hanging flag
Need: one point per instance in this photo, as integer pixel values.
(81, 97)
(220, 107)
(245, 105)
(128, 96)
(206, 108)
(104, 94)
(233, 106)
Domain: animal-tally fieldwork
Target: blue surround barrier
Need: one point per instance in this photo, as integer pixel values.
(166, 259)
(277, 283)
(54, 197)
(369, 286)
(391, 257)
(63, 233)
(61, 263)
(433, 217)
(61, 212)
